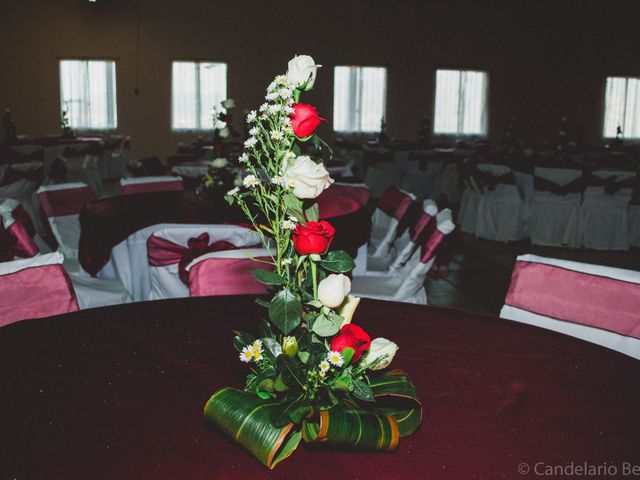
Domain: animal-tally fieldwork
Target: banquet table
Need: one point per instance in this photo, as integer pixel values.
(118, 392)
(107, 222)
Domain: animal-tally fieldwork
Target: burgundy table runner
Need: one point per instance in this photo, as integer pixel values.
(105, 223)
(118, 392)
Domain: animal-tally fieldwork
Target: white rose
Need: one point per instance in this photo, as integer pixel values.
(307, 178)
(301, 72)
(378, 349)
(219, 162)
(333, 289)
(348, 308)
(228, 103)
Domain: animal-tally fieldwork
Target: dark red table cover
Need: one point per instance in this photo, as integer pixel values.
(107, 222)
(118, 393)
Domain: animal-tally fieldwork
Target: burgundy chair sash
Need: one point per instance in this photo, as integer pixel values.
(162, 252)
(394, 203)
(577, 297)
(424, 226)
(12, 175)
(68, 201)
(429, 247)
(227, 276)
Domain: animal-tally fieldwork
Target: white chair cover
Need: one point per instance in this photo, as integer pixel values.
(555, 219)
(391, 208)
(165, 280)
(591, 302)
(605, 217)
(502, 214)
(408, 285)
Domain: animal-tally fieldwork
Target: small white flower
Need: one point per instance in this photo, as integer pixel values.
(271, 96)
(250, 181)
(277, 180)
(254, 131)
(324, 366)
(292, 183)
(263, 116)
(289, 155)
(272, 86)
(286, 122)
(244, 158)
(335, 359)
(280, 79)
(233, 191)
(288, 225)
(277, 135)
(264, 107)
(275, 108)
(250, 142)
(256, 346)
(286, 93)
(251, 117)
(246, 355)
(286, 261)
(257, 356)
(288, 110)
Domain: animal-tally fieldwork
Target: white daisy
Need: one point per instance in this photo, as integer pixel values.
(286, 93)
(288, 224)
(275, 108)
(233, 191)
(271, 96)
(263, 116)
(250, 181)
(256, 346)
(288, 110)
(244, 158)
(286, 122)
(246, 355)
(286, 261)
(251, 117)
(250, 142)
(324, 366)
(335, 359)
(254, 131)
(264, 107)
(277, 180)
(280, 79)
(277, 135)
(257, 356)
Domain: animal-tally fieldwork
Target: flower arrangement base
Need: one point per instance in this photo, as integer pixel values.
(394, 412)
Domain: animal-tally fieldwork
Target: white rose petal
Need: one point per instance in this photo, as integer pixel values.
(301, 72)
(378, 349)
(307, 178)
(333, 289)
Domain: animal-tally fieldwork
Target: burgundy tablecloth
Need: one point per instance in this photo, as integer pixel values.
(118, 393)
(105, 223)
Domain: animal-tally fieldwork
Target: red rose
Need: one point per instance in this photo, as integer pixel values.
(314, 237)
(354, 337)
(305, 120)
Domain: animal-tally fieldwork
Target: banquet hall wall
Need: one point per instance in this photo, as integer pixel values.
(545, 58)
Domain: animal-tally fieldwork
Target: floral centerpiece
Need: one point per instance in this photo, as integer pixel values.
(312, 374)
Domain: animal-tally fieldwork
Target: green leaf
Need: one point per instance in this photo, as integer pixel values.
(327, 326)
(338, 261)
(313, 212)
(246, 419)
(303, 356)
(347, 354)
(291, 372)
(265, 330)
(315, 303)
(294, 206)
(396, 389)
(268, 277)
(262, 303)
(362, 391)
(343, 383)
(279, 385)
(285, 310)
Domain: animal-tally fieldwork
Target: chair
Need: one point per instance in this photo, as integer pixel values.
(605, 210)
(381, 171)
(171, 249)
(408, 285)
(391, 209)
(555, 219)
(502, 214)
(419, 175)
(61, 205)
(405, 245)
(151, 184)
(228, 273)
(591, 302)
(17, 223)
(34, 288)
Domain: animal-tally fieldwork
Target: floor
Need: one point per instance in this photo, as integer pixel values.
(480, 273)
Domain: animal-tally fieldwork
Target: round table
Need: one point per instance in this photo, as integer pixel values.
(118, 393)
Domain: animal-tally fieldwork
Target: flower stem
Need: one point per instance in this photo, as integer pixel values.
(314, 278)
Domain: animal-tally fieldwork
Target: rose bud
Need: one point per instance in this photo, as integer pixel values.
(351, 336)
(348, 308)
(301, 72)
(305, 120)
(333, 289)
(312, 238)
(307, 178)
(383, 350)
(290, 346)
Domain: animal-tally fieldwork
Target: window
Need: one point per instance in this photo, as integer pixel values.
(359, 98)
(197, 87)
(88, 93)
(622, 107)
(461, 102)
